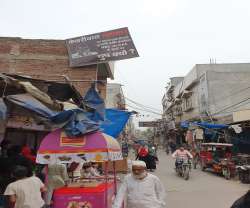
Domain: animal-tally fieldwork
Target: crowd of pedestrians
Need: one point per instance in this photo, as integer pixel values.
(22, 182)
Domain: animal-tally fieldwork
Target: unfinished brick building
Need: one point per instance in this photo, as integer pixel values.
(48, 60)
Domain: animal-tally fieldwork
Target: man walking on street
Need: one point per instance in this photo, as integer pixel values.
(141, 189)
(25, 192)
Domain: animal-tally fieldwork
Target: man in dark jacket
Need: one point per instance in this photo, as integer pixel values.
(242, 202)
(16, 158)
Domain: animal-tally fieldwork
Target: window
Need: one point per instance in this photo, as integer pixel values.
(178, 110)
(187, 104)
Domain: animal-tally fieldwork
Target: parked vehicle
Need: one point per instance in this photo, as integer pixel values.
(243, 167)
(244, 173)
(183, 168)
(218, 158)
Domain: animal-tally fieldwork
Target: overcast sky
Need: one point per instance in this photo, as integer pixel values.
(171, 36)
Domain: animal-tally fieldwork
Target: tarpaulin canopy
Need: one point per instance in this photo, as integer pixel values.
(56, 90)
(93, 100)
(56, 147)
(28, 102)
(185, 124)
(74, 122)
(211, 125)
(115, 121)
(206, 125)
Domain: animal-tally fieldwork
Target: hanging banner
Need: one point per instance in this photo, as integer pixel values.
(101, 47)
(148, 123)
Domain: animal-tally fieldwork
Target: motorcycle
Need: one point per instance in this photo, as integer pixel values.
(244, 173)
(183, 168)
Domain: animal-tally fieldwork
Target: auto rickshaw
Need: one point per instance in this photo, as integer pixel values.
(218, 157)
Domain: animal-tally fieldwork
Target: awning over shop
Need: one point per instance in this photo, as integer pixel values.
(28, 102)
(205, 125)
(80, 115)
(211, 125)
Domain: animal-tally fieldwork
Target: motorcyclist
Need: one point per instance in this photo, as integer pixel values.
(181, 154)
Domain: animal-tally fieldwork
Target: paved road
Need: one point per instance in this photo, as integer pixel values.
(202, 190)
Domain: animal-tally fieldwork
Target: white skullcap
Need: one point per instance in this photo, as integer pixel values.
(139, 163)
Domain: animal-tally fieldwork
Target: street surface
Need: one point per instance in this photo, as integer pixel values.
(202, 190)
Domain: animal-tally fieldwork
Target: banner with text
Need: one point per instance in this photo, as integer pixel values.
(148, 123)
(101, 47)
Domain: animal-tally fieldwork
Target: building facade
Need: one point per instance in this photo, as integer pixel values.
(48, 60)
(209, 92)
(115, 97)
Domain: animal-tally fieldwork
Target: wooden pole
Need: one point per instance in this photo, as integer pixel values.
(106, 183)
(115, 179)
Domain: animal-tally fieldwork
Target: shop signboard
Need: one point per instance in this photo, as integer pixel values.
(101, 47)
(24, 122)
(148, 123)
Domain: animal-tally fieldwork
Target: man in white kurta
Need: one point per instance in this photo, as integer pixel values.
(141, 189)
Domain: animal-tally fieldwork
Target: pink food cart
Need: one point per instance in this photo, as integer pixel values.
(56, 147)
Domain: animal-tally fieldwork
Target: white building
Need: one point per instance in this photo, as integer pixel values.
(114, 96)
(209, 92)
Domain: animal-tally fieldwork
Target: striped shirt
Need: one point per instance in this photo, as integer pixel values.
(182, 154)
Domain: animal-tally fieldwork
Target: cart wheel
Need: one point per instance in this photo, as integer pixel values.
(180, 172)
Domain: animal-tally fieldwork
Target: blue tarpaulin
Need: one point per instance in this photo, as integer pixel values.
(115, 121)
(78, 121)
(112, 121)
(185, 124)
(74, 122)
(211, 125)
(206, 125)
(30, 103)
(93, 100)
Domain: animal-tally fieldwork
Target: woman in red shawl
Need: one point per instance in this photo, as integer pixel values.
(26, 152)
(143, 155)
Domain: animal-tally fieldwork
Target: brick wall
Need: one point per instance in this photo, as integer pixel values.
(45, 59)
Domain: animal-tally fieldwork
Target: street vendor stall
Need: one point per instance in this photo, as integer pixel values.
(56, 147)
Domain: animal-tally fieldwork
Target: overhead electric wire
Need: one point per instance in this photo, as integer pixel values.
(221, 99)
(135, 108)
(141, 105)
(222, 110)
(233, 94)
(145, 110)
(241, 104)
